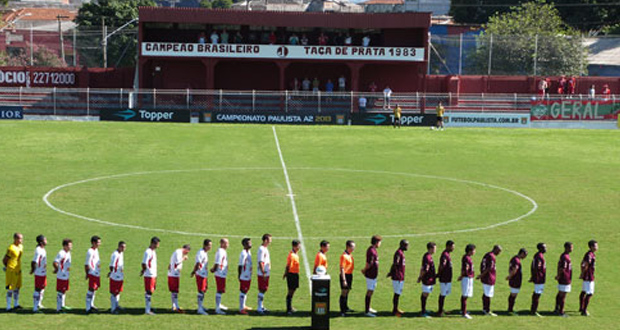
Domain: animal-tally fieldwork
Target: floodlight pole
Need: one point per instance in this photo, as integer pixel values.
(62, 43)
(104, 41)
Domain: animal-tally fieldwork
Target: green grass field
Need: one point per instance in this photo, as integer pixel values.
(212, 181)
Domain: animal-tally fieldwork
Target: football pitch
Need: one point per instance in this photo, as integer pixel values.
(184, 183)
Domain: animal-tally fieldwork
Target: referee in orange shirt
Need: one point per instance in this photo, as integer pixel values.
(291, 273)
(346, 276)
(321, 256)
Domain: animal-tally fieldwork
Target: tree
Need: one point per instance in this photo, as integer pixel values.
(589, 15)
(479, 11)
(122, 47)
(206, 4)
(43, 56)
(530, 39)
(219, 4)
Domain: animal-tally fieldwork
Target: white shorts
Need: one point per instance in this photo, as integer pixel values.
(588, 287)
(467, 286)
(371, 284)
(427, 288)
(564, 288)
(515, 290)
(445, 289)
(539, 288)
(489, 290)
(398, 287)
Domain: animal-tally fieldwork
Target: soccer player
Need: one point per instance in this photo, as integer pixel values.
(564, 278)
(539, 273)
(174, 275)
(347, 266)
(291, 273)
(245, 274)
(220, 270)
(467, 278)
(587, 275)
(62, 266)
(444, 273)
(201, 270)
(440, 111)
(149, 271)
(12, 262)
(38, 267)
(116, 276)
(93, 273)
(263, 262)
(397, 114)
(488, 273)
(370, 271)
(397, 273)
(321, 256)
(427, 276)
(515, 279)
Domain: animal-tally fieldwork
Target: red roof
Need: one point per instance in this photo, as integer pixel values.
(39, 14)
(292, 19)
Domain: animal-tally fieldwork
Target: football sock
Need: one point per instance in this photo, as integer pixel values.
(92, 300)
(147, 300)
(89, 298)
(36, 296)
(261, 297)
(15, 298)
(395, 302)
(346, 302)
(562, 303)
(464, 305)
(201, 299)
(41, 297)
(442, 299)
(58, 301)
(367, 304)
(63, 299)
(535, 298)
(241, 301)
(112, 302)
(9, 296)
(486, 303)
(586, 302)
(218, 300)
(289, 303)
(557, 302)
(582, 297)
(511, 302)
(423, 300)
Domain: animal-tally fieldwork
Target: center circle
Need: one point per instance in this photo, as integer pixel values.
(332, 202)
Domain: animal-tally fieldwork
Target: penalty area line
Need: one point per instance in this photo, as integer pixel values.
(291, 196)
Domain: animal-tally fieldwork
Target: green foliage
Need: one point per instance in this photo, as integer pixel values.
(42, 56)
(122, 47)
(589, 15)
(531, 31)
(216, 4)
(479, 11)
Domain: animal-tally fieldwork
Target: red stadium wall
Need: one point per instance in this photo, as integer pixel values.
(73, 77)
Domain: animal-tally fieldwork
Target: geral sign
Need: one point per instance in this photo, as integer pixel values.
(36, 78)
(405, 54)
(574, 110)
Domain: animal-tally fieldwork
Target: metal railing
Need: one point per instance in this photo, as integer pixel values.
(88, 102)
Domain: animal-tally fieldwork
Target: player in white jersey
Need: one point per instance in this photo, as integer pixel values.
(38, 267)
(116, 276)
(245, 274)
(264, 270)
(93, 273)
(149, 271)
(62, 266)
(174, 275)
(220, 270)
(201, 270)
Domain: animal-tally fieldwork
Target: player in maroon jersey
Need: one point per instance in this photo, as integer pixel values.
(539, 274)
(587, 275)
(564, 278)
(515, 278)
(444, 273)
(488, 274)
(397, 273)
(467, 278)
(370, 271)
(427, 276)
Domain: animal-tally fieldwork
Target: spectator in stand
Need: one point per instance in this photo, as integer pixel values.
(295, 84)
(387, 95)
(323, 39)
(293, 40)
(342, 83)
(272, 38)
(548, 80)
(572, 83)
(252, 38)
(562, 85)
(542, 87)
(238, 38)
(316, 84)
(372, 87)
(215, 38)
(348, 41)
(366, 41)
(224, 37)
(329, 86)
(305, 84)
(362, 104)
(265, 38)
(606, 92)
(592, 92)
(202, 38)
(339, 40)
(304, 40)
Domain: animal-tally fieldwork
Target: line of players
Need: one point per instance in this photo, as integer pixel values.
(427, 276)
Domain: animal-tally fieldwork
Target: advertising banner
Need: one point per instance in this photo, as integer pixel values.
(170, 116)
(573, 109)
(455, 119)
(10, 112)
(36, 78)
(167, 49)
(377, 119)
(272, 117)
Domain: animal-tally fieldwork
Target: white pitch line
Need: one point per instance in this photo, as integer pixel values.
(291, 195)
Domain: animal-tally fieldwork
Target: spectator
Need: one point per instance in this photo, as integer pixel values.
(214, 37)
(238, 38)
(265, 38)
(315, 84)
(329, 86)
(342, 83)
(366, 41)
(304, 40)
(339, 40)
(562, 85)
(252, 38)
(592, 92)
(224, 37)
(606, 92)
(293, 40)
(272, 38)
(348, 41)
(202, 39)
(572, 83)
(362, 104)
(372, 87)
(305, 84)
(542, 87)
(548, 80)
(295, 84)
(323, 39)
(387, 95)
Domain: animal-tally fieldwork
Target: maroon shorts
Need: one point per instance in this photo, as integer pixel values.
(94, 282)
(173, 284)
(40, 282)
(263, 283)
(220, 283)
(244, 286)
(62, 286)
(201, 283)
(116, 287)
(150, 283)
